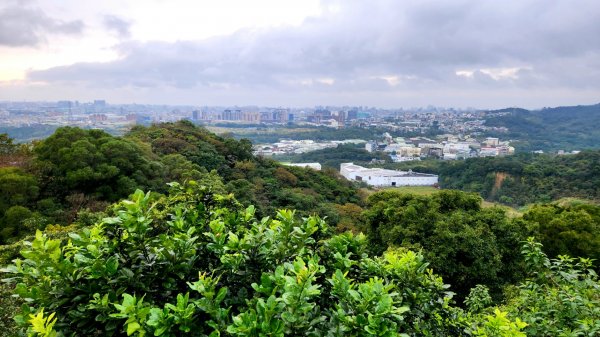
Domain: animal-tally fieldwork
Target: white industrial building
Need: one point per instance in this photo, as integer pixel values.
(382, 177)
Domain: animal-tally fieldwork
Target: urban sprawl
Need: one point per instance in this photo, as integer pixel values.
(441, 133)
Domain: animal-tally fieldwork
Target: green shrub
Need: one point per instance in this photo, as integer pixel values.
(198, 264)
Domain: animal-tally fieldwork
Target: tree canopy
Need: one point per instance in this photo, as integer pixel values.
(75, 170)
(568, 229)
(196, 263)
(465, 244)
(94, 163)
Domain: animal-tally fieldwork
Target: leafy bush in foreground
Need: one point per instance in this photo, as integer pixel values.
(197, 264)
(561, 296)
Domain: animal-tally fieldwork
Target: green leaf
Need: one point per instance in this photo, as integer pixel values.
(221, 295)
(132, 327)
(112, 264)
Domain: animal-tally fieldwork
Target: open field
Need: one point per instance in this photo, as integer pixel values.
(418, 190)
(510, 212)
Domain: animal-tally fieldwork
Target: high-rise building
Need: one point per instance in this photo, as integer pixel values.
(231, 115)
(252, 117)
(281, 115)
(352, 114)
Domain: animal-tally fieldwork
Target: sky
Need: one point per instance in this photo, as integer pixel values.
(383, 53)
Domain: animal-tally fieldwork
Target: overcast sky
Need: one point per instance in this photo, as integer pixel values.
(386, 53)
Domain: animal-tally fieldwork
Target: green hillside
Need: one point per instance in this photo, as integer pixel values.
(76, 170)
(210, 250)
(521, 179)
(551, 129)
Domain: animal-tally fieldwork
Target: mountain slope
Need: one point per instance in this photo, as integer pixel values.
(550, 129)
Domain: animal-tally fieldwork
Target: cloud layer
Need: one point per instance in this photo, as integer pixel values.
(23, 26)
(117, 26)
(366, 48)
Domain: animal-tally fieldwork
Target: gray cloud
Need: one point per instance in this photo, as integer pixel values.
(118, 26)
(382, 46)
(23, 26)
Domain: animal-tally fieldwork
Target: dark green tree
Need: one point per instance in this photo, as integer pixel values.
(94, 163)
(16, 188)
(7, 145)
(572, 230)
(12, 223)
(466, 244)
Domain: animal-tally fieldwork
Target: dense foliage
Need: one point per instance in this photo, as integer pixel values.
(561, 297)
(568, 228)
(524, 179)
(190, 260)
(75, 170)
(254, 180)
(94, 163)
(466, 244)
(520, 179)
(195, 263)
(551, 129)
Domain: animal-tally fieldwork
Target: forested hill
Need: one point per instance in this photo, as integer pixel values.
(525, 178)
(550, 129)
(74, 170)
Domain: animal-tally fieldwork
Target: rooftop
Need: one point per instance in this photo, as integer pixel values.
(378, 172)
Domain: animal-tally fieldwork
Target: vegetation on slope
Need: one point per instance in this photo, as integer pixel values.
(75, 170)
(136, 271)
(254, 180)
(195, 263)
(520, 179)
(551, 129)
(468, 245)
(198, 264)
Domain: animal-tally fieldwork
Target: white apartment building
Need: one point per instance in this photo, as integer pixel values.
(489, 152)
(456, 147)
(382, 177)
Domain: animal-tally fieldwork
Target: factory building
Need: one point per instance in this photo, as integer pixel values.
(382, 177)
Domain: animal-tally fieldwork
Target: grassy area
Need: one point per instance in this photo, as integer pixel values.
(418, 190)
(510, 212)
(565, 202)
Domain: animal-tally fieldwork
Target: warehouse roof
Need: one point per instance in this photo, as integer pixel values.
(378, 172)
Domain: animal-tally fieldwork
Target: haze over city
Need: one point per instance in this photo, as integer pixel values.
(487, 54)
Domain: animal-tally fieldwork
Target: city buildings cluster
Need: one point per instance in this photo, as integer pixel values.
(238, 115)
(448, 147)
(99, 112)
(95, 114)
(422, 122)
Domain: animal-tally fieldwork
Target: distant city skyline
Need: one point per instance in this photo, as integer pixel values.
(384, 53)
